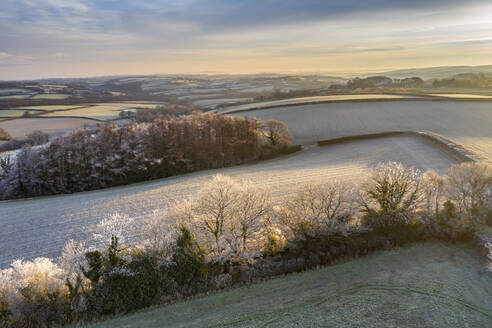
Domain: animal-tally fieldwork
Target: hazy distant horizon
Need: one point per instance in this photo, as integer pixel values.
(88, 38)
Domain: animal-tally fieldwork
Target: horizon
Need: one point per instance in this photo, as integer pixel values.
(50, 39)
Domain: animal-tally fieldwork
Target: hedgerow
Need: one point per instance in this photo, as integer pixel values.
(232, 233)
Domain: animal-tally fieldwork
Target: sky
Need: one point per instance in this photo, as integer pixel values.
(76, 38)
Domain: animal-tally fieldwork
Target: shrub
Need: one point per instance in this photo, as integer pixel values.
(37, 137)
(33, 293)
(150, 114)
(187, 267)
(391, 197)
(4, 135)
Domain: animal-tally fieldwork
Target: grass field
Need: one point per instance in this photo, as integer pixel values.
(41, 226)
(52, 107)
(309, 100)
(21, 127)
(106, 111)
(424, 285)
(212, 103)
(16, 112)
(51, 96)
(466, 123)
(460, 96)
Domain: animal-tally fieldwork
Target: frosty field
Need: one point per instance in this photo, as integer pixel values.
(425, 285)
(17, 112)
(104, 111)
(309, 100)
(21, 127)
(466, 123)
(41, 226)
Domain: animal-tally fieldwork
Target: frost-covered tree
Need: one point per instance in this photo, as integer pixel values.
(229, 218)
(110, 155)
(316, 209)
(391, 196)
(469, 187)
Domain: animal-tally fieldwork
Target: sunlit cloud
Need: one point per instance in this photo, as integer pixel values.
(88, 37)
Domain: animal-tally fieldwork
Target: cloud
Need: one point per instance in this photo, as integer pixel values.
(90, 32)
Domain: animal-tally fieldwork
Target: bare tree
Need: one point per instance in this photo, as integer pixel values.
(433, 194)
(247, 227)
(228, 217)
(277, 134)
(469, 186)
(316, 209)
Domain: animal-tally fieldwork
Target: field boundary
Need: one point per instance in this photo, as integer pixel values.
(413, 97)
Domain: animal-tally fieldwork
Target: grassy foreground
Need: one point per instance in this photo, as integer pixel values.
(425, 285)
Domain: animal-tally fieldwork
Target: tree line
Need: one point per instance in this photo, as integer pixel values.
(112, 155)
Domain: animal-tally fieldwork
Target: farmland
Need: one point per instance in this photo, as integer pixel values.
(425, 285)
(17, 112)
(41, 226)
(21, 127)
(104, 111)
(466, 123)
(53, 107)
(311, 100)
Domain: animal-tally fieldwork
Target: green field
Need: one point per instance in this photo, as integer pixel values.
(425, 285)
(17, 112)
(51, 96)
(52, 107)
(103, 111)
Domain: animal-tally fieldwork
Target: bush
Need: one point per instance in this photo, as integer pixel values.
(150, 114)
(188, 267)
(4, 135)
(37, 137)
(33, 293)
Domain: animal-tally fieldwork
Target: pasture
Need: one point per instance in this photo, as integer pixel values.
(52, 107)
(40, 227)
(309, 100)
(22, 127)
(17, 112)
(424, 285)
(212, 103)
(103, 111)
(460, 96)
(51, 96)
(466, 123)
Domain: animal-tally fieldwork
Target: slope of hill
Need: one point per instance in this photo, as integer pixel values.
(41, 226)
(466, 123)
(425, 285)
(437, 72)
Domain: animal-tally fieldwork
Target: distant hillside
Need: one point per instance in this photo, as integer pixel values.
(438, 72)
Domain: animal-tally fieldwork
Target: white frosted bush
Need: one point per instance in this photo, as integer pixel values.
(31, 282)
(117, 225)
(72, 258)
(158, 231)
